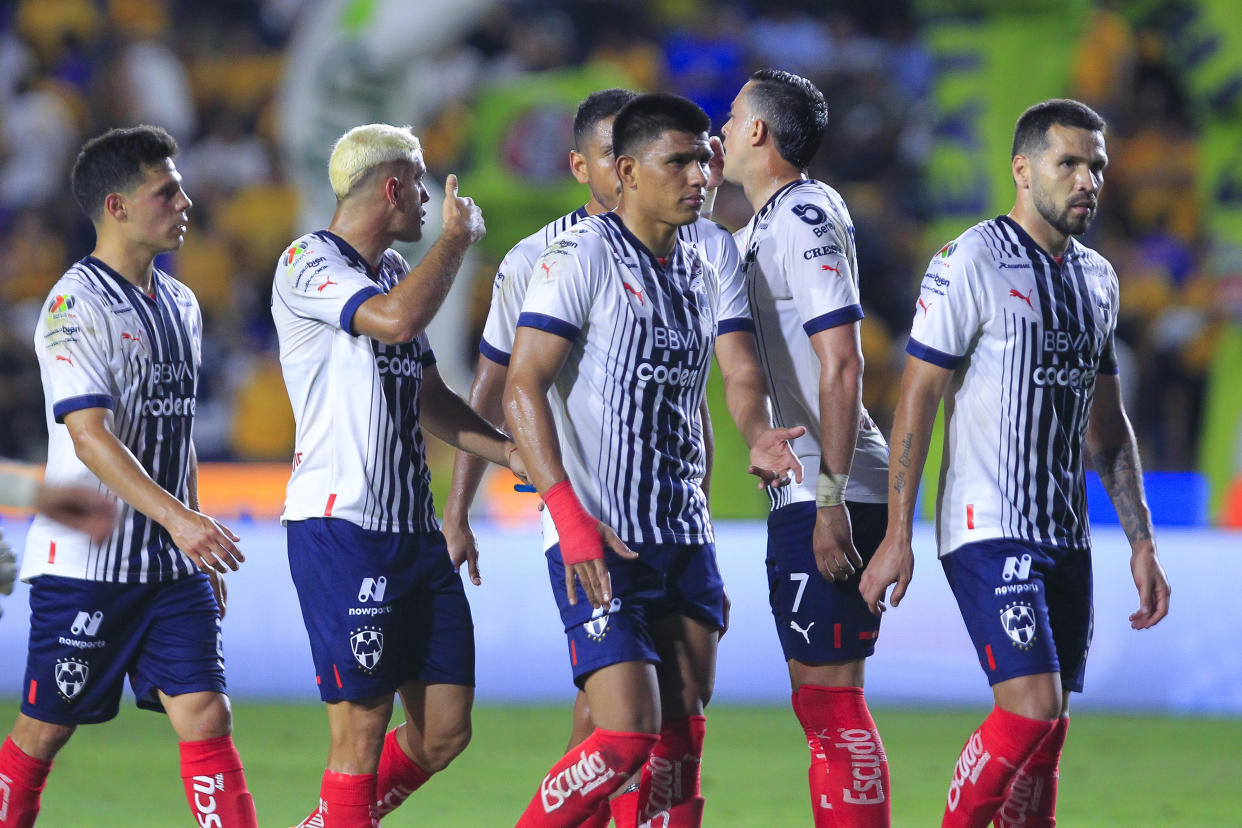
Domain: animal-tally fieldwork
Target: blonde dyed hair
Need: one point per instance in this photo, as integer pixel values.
(365, 147)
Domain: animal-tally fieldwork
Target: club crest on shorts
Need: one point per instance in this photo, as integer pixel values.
(1018, 619)
(597, 627)
(71, 677)
(367, 644)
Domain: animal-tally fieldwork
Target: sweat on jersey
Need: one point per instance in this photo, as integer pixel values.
(1025, 337)
(101, 342)
(802, 278)
(358, 450)
(626, 402)
(513, 276)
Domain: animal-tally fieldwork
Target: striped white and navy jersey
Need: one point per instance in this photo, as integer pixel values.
(104, 343)
(626, 402)
(359, 453)
(802, 278)
(509, 288)
(1025, 336)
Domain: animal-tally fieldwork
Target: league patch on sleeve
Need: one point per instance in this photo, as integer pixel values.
(61, 322)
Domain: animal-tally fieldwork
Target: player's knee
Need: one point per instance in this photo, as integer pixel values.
(442, 748)
(41, 740)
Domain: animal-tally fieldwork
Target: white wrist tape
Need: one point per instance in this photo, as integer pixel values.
(18, 490)
(830, 490)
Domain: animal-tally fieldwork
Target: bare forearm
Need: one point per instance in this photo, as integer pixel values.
(527, 411)
(912, 427)
(192, 479)
(446, 415)
(1121, 472)
(746, 397)
(118, 469)
(420, 294)
(709, 446)
(840, 409)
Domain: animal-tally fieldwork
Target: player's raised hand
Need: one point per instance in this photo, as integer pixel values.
(78, 508)
(1153, 586)
(715, 167)
(210, 544)
(772, 460)
(833, 544)
(893, 563)
(462, 217)
(463, 547)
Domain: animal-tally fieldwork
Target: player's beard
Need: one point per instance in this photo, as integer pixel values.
(1060, 218)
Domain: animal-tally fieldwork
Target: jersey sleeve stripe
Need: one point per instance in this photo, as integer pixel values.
(742, 324)
(493, 353)
(550, 324)
(840, 316)
(928, 354)
(351, 307)
(72, 404)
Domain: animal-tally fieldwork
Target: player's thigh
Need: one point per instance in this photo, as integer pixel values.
(625, 697)
(687, 671)
(437, 711)
(1071, 613)
(581, 718)
(819, 622)
(837, 674)
(1036, 697)
(1001, 592)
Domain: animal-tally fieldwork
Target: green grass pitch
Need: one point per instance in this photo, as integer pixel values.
(1119, 771)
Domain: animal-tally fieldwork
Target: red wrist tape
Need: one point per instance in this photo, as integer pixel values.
(580, 541)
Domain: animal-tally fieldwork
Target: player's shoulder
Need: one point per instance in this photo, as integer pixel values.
(807, 208)
(1092, 261)
(705, 230)
(984, 242)
(179, 291)
(394, 262)
(84, 284)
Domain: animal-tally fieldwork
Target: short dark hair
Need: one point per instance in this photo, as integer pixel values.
(794, 110)
(116, 162)
(596, 107)
(1031, 133)
(649, 116)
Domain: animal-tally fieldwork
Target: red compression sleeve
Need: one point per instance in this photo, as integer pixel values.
(580, 541)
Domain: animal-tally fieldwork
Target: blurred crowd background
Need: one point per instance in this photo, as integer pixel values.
(914, 157)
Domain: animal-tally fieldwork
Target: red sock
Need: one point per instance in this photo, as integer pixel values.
(398, 777)
(1031, 801)
(215, 785)
(21, 782)
(686, 814)
(851, 786)
(671, 775)
(586, 776)
(600, 819)
(989, 761)
(624, 808)
(347, 800)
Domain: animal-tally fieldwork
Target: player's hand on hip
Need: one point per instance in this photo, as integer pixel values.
(893, 563)
(1153, 586)
(463, 547)
(462, 217)
(772, 459)
(209, 543)
(833, 543)
(79, 508)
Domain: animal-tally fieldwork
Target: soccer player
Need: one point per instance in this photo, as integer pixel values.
(119, 352)
(592, 163)
(1014, 329)
(383, 607)
(802, 279)
(618, 324)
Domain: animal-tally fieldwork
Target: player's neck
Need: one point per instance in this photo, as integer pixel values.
(760, 187)
(135, 265)
(362, 235)
(1051, 241)
(658, 236)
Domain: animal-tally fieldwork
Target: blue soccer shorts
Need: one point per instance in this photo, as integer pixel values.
(820, 621)
(666, 579)
(86, 636)
(1027, 607)
(381, 608)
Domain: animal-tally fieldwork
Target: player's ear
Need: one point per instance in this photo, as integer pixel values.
(627, 169)
(392, 189)
(759, 131)
(578, 166)
(1021, 172)
(114, 205)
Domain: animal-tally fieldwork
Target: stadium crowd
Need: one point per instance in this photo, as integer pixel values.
(211, 75)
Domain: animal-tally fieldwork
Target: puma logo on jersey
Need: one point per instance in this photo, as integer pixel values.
(547, 269)
(925, 306)
(1027, 298)
(805, 633)
(326, 282)
(64, 359)
(830, 267)
(634, 291)
(130, 336)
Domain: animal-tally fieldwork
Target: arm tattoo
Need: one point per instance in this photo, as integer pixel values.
(1122, 476)
(899, 482)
